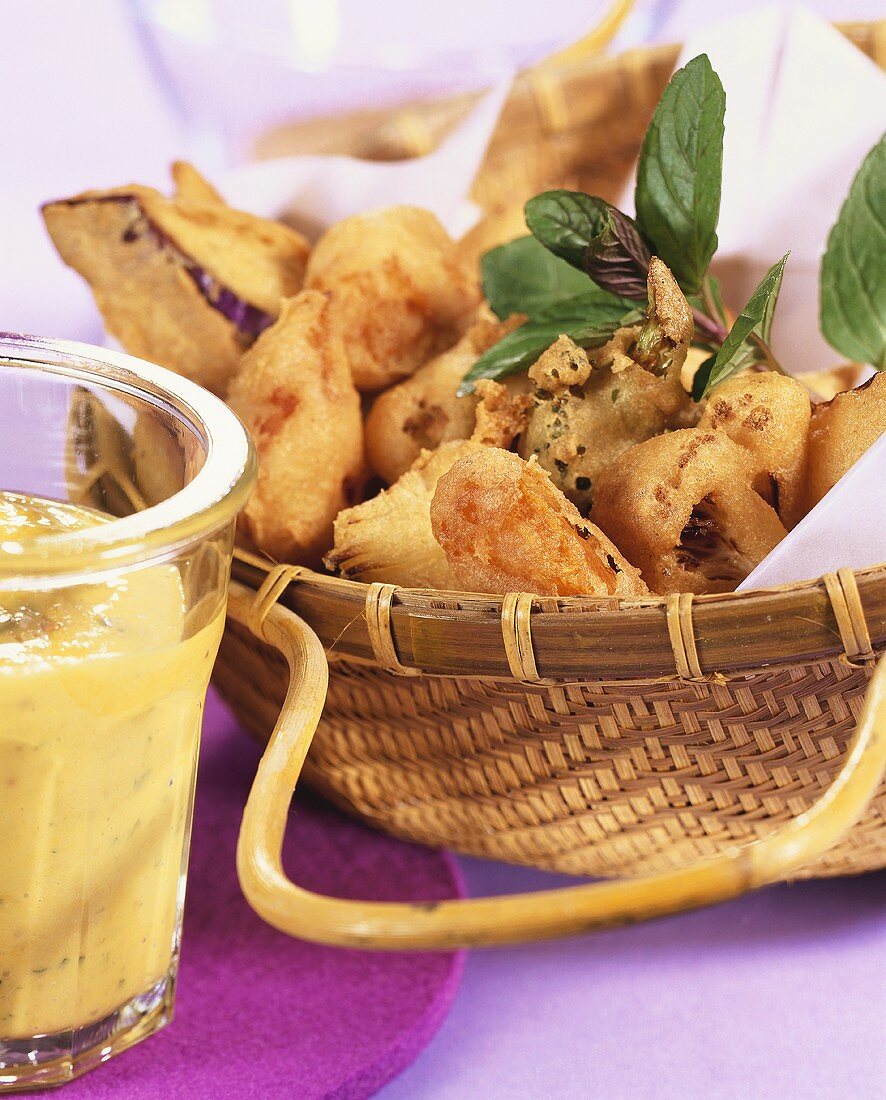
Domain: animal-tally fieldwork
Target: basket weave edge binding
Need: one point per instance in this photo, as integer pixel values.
(843, 614)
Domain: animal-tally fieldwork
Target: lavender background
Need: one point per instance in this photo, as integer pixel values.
(782, 994)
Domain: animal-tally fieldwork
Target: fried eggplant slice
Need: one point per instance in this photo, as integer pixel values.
(841, 431)
(188, 284)
(399, 291)
(768, 414)
(294, 393)
(683, 509)
(504, 527)
(389, 537)
(423, 411)
(590, 406)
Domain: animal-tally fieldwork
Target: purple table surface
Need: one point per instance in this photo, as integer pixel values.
(781, 994)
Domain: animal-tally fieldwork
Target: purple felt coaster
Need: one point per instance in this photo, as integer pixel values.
(259, 1014)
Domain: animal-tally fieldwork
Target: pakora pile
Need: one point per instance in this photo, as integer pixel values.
(572, 411)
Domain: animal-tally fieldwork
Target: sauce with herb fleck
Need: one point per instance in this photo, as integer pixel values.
(100, 707)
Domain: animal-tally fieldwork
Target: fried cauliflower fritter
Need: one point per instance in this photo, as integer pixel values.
(389, 537)
(682, 508)
(186, 283)
(841, 431)
(424, 411)
(768, 414)
(400, 293)
(505, 527)
(590, 406)
(294, 393)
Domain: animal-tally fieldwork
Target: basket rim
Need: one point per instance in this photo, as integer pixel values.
(440, 632)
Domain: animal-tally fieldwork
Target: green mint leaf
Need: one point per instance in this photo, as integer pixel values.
(680, 171)
(593, 236)
(565, 222)
(524, 277)
(519, 349)
(853, 271)
(755, 320)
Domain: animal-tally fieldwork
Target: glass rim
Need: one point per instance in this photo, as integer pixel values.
(216, 494)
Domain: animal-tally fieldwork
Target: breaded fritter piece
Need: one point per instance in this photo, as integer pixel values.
(504, 527)
(399, 292)
(590, 406)
(294, 393)
(424, 411)
(183, 282)
(841, 431)
(389, 537)
(681, 506)
(768, 414)
(501, 414)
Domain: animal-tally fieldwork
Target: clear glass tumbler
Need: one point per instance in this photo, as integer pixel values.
(119, 487)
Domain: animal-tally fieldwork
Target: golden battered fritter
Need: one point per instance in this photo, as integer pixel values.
(295, 395)
(504, 527)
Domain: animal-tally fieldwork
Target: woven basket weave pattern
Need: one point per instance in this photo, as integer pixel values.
(597, 779)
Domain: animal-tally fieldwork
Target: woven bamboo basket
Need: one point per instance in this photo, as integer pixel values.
(702, 744)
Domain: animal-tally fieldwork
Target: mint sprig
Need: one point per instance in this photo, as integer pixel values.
(680, 171)
(587, 266)
(853, 271)
(524, 277)
(748, 339)
(593, 236)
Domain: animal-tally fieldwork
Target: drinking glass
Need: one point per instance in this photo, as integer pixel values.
(119, 487)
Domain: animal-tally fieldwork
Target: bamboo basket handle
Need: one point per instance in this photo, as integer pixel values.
(481, 922)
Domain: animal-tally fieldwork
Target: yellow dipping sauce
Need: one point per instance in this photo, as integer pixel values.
(101, 699)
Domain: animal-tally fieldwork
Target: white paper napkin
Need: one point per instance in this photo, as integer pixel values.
(803, 108)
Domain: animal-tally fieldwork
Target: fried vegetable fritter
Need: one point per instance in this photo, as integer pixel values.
(389, 537)
(502, 414)
(590, 406)
(841, 431)
(768, 414)
(505, 527)
(294, 393)
(400, 293)
(682, 508)
(188, 284)
(424, 411)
